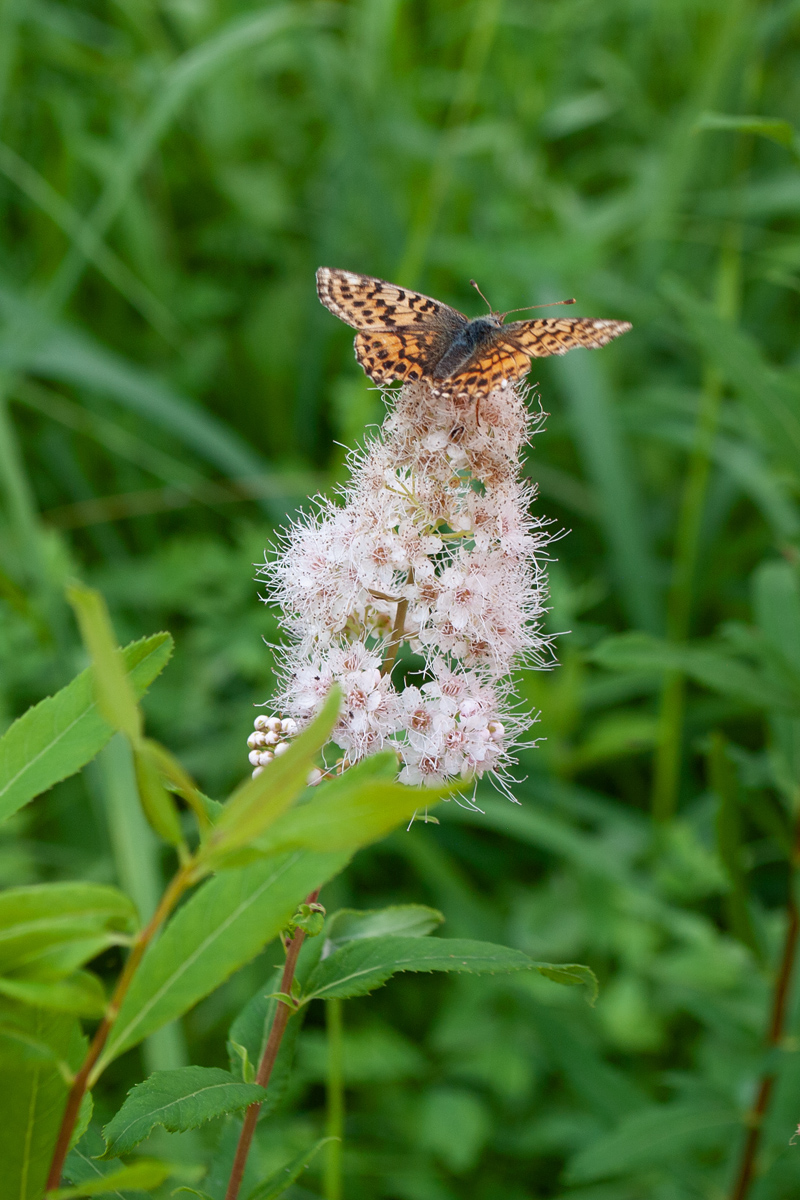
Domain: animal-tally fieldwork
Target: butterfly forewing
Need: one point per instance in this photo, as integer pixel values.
(373, 304)
(556, 335)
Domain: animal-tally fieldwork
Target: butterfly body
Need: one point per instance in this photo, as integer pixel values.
(403, 335)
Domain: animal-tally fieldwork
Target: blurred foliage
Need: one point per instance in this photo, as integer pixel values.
(171, 175)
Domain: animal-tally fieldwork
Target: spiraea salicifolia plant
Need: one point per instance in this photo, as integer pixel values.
(418, 595)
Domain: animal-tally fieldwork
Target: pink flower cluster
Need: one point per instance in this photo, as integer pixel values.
(421, 591)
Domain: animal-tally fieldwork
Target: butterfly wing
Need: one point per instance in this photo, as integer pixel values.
(372, 304)
(405, 354)
(498, 364)
(556, 335)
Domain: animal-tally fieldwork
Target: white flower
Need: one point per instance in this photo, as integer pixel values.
(434, 547)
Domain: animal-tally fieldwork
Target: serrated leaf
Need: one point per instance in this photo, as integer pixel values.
(361, 966)
(277, 1183)
(61, 734)
(48, 930)
(227, 921)
(571, 974)
(115, 697)
(180, 1099)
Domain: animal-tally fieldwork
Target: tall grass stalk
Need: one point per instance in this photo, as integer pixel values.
(334, 1125)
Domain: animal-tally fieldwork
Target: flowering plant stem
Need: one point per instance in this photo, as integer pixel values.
(335, 1121)
(182, 880)
(780, 998)
(277, 1030)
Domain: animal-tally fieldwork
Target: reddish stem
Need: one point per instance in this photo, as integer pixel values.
(277, 1030)
(142, 940)
(777, 1021)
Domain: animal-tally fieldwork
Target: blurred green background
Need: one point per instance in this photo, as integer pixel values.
(172, 172)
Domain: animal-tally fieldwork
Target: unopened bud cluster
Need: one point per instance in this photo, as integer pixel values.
(268, 740)
(419, 594)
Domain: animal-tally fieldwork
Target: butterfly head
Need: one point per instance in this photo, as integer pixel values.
(497, 318)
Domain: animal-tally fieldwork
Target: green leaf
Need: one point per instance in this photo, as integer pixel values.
(658, 1134)
(771, 395)
(180, 1099)
(47, 930)
(33, 1091)
(157, 803)
(146, 1174)
(776, 601)
(361, 966)
(115, 696)
(248, 1035)
(227, 921)
(773, 128)
(610, 467)
(64, 732)
(730, 838)
(407, 920)
(81, 993)
(710, 666)
(351, 811)
(277, 1183)
(260, 801)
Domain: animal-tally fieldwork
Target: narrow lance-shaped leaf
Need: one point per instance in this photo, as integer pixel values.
(81, 993)
(283, 1179)
(260, 801)
(227, 921)
(247, 1040)
(144, 1175)
(58, 736)
(351, 811)
(115, 696)
(180, 1099)
(47, 930)
(33, 1089)
(361, 966)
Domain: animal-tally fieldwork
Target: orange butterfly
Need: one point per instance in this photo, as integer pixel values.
(403, 335)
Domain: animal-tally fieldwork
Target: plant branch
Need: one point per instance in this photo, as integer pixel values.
(177, 886)
(398, 629)
(277, 1030)
(780, 998)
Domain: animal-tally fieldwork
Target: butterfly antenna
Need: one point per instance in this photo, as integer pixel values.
(472, 283)
(528, 307)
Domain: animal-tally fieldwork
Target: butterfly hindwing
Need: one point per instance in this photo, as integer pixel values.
(498, 364)
(403, 354)
(373, 304)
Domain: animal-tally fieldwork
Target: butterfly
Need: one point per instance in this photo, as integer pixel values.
(403, 335)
